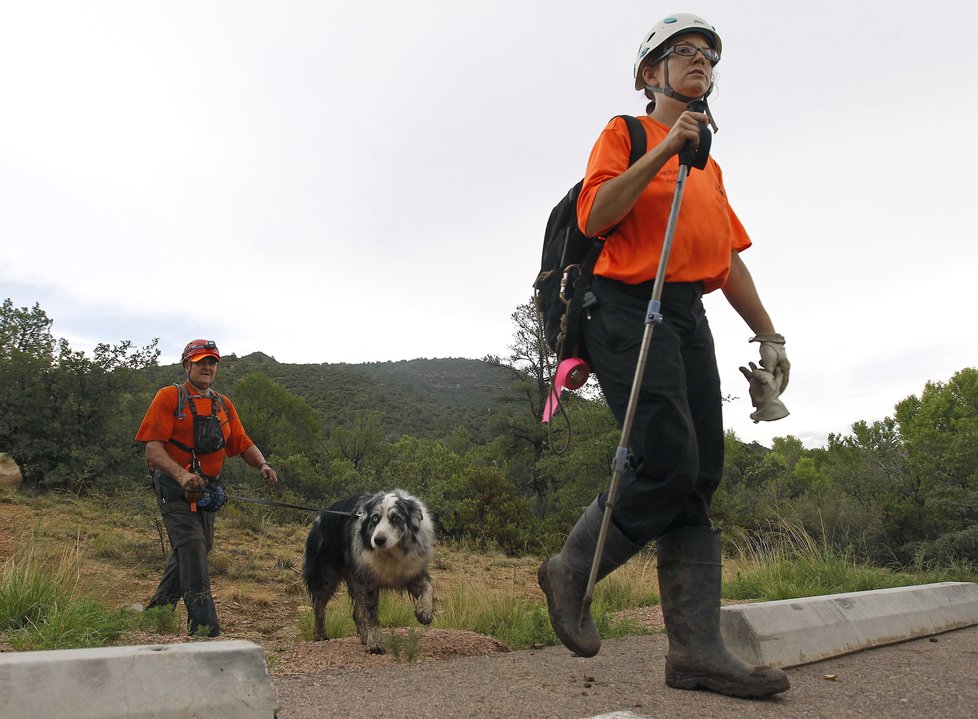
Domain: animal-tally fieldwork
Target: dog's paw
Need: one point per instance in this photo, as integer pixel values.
(377, 649)
(423, 616)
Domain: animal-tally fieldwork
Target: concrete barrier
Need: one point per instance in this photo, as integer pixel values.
(790, 632)
(216, 679)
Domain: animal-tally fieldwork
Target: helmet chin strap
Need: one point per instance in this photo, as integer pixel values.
(685, 99)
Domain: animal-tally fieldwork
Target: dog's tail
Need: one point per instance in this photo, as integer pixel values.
(314, 545)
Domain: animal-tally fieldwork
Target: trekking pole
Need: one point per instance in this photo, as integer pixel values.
(687, 157)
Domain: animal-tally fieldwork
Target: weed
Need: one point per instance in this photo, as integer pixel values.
(162, 620)
(31, 589)
(404, 645)
(787, 563)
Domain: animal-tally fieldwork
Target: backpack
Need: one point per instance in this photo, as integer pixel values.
(567, 263)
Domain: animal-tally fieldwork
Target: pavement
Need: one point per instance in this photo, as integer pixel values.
(929, 677)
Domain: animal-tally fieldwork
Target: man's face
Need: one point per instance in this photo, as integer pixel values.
(203, 372)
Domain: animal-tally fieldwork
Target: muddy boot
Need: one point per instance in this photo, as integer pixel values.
(689, 583)
(563, 578)
(168, 592)
(201, 613)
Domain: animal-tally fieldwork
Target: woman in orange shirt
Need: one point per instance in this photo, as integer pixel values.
(677, 441)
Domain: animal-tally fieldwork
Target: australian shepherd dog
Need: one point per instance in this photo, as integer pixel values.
(372, 542)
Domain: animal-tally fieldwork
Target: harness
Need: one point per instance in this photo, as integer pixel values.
(208, 437)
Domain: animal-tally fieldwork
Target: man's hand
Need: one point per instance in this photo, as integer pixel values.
(191, 481)
(773, 358)
(268, 474)
(192, 485)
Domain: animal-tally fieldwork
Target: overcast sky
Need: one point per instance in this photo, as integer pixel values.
(353, 182)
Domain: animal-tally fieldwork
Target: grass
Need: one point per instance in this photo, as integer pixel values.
(74, 561)
(41, 608)
(788, 563)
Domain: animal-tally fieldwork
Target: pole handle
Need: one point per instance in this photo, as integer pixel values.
(697, 157)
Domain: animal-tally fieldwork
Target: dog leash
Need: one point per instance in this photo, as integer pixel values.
(270, 503)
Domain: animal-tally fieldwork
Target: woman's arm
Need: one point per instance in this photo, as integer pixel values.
(742, 296)
(616, 197)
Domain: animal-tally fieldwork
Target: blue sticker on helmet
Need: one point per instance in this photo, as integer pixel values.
(670, 20)
(645, 51)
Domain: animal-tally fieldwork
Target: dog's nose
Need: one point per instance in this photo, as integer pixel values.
(380, 540)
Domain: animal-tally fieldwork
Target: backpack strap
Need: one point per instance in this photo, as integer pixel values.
(636, 134)
(639, 143)
(184, 397)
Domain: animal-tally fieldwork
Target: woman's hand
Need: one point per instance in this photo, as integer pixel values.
(686, 129)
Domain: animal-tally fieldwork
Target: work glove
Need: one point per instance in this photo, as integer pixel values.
(764, 391)
(773, 358)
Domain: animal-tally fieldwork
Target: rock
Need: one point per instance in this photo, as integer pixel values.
(9, 471)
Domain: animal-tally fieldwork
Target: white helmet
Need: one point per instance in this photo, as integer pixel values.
(668, 28)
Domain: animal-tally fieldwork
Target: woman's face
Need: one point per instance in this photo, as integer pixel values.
(689, 76)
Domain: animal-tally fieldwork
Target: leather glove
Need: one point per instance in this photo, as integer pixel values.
(773, 358)
(764, 391)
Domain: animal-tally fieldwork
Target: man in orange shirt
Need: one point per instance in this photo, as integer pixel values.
(185, 449)
(676, 443)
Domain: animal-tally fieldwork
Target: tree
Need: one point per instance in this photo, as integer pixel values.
(25, 331)
(278, 421)
(59, 410)
(940, 432)
(359, 437)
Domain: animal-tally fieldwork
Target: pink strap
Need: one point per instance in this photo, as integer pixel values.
(560, 383)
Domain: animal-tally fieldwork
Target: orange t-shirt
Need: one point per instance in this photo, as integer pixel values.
(707, 230)
(161, 424)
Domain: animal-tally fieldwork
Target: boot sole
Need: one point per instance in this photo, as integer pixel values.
(543, 579)
(725, 686)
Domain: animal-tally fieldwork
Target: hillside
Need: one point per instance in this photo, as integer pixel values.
(420, 397)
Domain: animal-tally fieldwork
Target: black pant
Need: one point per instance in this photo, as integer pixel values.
(186, 573)
(676, 441)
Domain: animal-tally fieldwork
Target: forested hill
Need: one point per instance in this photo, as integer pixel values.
(420, 397)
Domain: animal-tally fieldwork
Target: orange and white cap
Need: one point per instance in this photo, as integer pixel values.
(196, 350)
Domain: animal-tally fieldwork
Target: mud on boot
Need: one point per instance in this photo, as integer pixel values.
(564, 577)
(689, 566)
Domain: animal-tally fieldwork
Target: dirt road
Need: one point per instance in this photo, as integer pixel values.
(933, 677)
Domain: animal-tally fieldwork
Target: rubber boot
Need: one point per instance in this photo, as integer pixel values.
(168, 593)
(689, 583)
(563, 578)
(201, 613)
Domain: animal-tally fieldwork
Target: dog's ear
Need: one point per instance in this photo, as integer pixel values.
(415, 517)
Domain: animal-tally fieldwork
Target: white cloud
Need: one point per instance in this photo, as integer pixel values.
(330, 183)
